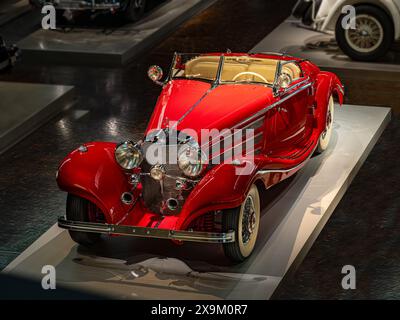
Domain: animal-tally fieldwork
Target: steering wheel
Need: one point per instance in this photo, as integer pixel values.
(251, 73)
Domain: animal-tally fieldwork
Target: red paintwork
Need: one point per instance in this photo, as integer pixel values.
(225, 106)
(291, 137)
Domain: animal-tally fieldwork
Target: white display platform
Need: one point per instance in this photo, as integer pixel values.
(26, 106)
(109, 47)
(296, 211)
(288, 37)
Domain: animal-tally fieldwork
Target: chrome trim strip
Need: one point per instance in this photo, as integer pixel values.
(282, 170)
(213, 86)
(245, 121)
(260, 134)
(292, 168)
(271, 53)
(266, 109)
(251, 124)
(295, 134)
(216, 140)
(254, 117)
(196, 236)
(221, 62)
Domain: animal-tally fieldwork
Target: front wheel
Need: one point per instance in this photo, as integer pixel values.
(245, 221)
(372, 37)
(79, 209)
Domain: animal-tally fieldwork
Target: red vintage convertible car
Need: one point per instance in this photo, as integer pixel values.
(172, 183)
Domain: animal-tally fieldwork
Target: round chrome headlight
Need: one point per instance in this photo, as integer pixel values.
(128, 155)
(191, 160)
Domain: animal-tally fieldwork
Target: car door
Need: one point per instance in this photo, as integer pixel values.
(289, 118)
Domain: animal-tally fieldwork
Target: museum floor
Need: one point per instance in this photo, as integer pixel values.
(115, 103)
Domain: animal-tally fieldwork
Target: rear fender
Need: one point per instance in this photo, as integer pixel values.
(95, 176)
(327, 84)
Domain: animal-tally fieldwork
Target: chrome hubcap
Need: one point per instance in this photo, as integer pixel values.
(368, 34)
(249, 220)
(329, 119)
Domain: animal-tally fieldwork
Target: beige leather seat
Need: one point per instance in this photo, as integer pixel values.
(266, 70)
(230, 71)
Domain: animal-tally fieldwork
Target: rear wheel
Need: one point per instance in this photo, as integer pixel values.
(372, 37)
(135, 10)
(245, 221)
(325, 137)
(79, 209)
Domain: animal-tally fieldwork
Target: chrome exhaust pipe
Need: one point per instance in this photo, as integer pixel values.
(127, 198)
(172, 204)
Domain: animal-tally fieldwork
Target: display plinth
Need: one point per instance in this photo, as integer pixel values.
(109, 47)
(294, 214)
(27, 106)
(12, 9)
(292, 39)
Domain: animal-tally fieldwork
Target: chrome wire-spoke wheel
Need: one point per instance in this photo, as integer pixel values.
(368, 34)
(249, 220)
(245, 221)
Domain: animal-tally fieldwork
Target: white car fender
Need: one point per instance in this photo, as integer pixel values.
(392, 8)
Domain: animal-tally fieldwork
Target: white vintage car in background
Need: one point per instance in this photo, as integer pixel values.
(377, 24)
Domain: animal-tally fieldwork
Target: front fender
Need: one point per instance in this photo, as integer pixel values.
(95, 176)
(221, 188)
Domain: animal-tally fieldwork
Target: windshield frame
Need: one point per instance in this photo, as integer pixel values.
(217, 80)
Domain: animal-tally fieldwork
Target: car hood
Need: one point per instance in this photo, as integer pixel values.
(197, 105)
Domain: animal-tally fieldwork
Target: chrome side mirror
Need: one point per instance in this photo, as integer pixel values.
(155, 73)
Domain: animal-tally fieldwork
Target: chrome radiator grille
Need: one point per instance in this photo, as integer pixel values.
(156, 193)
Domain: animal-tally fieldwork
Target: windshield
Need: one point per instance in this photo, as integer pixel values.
(195, 66)
(236, 69)
(248, 69)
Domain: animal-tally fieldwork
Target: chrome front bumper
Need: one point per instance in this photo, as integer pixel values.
(144, 232)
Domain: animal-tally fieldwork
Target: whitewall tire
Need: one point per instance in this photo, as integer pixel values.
(326, 135)
(245, 221)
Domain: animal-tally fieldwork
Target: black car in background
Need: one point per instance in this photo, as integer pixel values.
(132, 10)
(8, 55)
